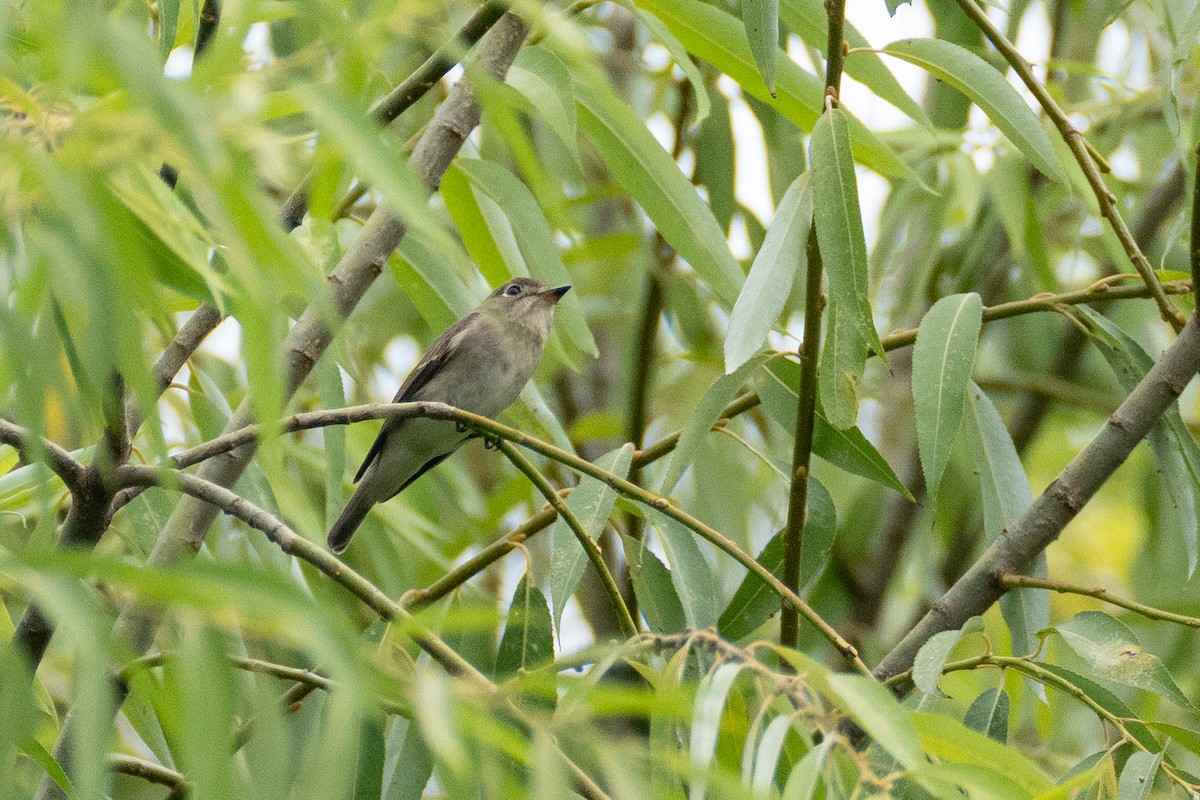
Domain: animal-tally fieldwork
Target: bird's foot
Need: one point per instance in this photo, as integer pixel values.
(461, 426)
(491, 442)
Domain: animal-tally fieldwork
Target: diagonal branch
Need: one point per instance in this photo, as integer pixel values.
(982, 584)
(1084, 154)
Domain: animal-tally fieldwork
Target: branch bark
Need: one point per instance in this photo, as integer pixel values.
(982, 585)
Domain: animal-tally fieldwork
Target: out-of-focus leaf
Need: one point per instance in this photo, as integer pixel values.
(932, 657)
(1116, 655)
(714, 161)
(592, 502)
(988, 714)
(168, 26)
(702, 419)
(780, 259)
(987, 88)
(656, 595)
(808, 20)
(943, 359)
(848, 449)
(706, 723)
(544, 79)
(528, 641)
(766, 756)
(535, 240)
(411, 764)
(1006, 496)
(678, 52)
(876, 710)
(368, 776)
(806, 775)
(718, 38)
(640, 165)
(1174, 448)
(1137, 776)
(761, 20)
(476, 235)
(690, 572)
(976, 781)
(755, 601)
(329, 388)
(947, 739)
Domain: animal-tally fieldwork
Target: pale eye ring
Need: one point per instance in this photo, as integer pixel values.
(513, 291)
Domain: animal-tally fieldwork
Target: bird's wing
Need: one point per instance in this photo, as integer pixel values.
(440, 353)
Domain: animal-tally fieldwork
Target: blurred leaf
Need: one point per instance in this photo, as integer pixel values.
(329, 387)
(943, 360)
(528, 641)
(679, 53)
(949, 740)
(781, 258)
(690, 571)
(766, 756)
(656, 595)
(1115, 654)
(718, 38)
(806, 775)
(592, 502)
(706, 723)
(754, 601)
(638, 162)
(368, 776)
(761, 19)
(933, 655)
(876, 710)
(410, 762)
(1006, 496)
(838, 220)
(702, 418)
(714, 161)
(168, 26)
(976, 781)
(34, 749)
(535, 240)
(544, 79)
(987, 88)
(472, 226)
(1137, 777)
(988, 714)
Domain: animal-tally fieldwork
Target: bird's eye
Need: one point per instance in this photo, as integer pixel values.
(513, 291)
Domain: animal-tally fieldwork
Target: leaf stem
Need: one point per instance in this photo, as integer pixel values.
(1014, 581)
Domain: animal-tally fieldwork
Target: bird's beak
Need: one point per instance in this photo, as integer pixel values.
(554, 295)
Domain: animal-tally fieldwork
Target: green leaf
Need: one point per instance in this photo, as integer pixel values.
(932, 657)
(894, 5)
(168, 26)
(876, 710)
(647, 172)
(848, 449)
(329, 389)
(719, 38)
(1115, 654)
(838, 220)
(781, 258)
(411, 765)
(808, 20)
(42, 757)
(943, 359)
(528, 641)
(592, 502)
(988, 714)
(702, 419)
(976, 781)
(657, 598)
(1174, 448)
(368, 775)
(1004, 489)
(1109, 702)
(1186, 737)
(761, 19)
(706, 723)
(986, 87)
(947, 739)
(766, 755)
(1137, 776)
(690, 571)
(802, 782)
(714, 162)
(685, 63)
(754, 601)
(545, 81)
(535, 239)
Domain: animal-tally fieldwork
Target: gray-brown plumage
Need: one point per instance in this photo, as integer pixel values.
(480, 364)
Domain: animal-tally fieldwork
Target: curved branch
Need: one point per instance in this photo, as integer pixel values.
(146, 770)
(1012, 581)
(39, 449)
(981, 586)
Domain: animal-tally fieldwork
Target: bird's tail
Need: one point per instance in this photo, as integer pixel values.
(351, 517)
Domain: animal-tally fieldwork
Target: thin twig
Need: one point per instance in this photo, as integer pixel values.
(595, 557)
(1013, 581)
(1195, 242)
(39, 449)
(1084, 154)
(146, 770)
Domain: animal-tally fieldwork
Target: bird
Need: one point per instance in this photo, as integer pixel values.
(479, 364)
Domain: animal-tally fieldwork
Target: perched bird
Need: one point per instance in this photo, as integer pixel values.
(480, 364)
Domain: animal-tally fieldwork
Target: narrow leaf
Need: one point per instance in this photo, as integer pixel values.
(780, 259)
(657, 598)
(528, 640)
(706, 723)
(663, 36)
(545, 81)
(989, 714)
(802, 783)
(877, 712)
(690, 571)
(987, 88)
(1137, 777)
(943, 359)
(932, 657)
(761, 18)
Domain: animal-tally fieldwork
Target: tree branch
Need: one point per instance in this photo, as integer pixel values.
(146, 770)
(980, 587)
(38, 449)
(1084, 154)
(1013, 581)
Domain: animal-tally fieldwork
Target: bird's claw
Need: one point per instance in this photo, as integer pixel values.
(491, 442)
(460, 426)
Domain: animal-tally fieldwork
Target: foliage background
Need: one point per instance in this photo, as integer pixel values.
(105, 263)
